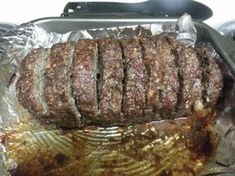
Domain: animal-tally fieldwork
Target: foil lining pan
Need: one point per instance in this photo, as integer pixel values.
(27, 143)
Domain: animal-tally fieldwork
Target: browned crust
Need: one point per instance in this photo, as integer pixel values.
(84, 78)
(154, 66)
(25, 84)
(140, 78)
(212, 76)
(111, 77)
(170, 81)
(190, 95)
(57, 87)
(135, 80)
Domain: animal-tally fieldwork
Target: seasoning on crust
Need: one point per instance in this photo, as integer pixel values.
(58, 81)
(155, 70)
(111, 77)
(170, 82)
(30, 86)
(118, 82)
(84, 76)
(135, 79)
(212, 76)
(190, 94)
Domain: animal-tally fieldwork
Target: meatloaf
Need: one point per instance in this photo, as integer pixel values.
(135, 79)
(170, 81)
(154, 71)
(111, 78)
(212, 77)
(189, 79)
(58, 91)
(30, 85)
(84, 77)
(113, 81)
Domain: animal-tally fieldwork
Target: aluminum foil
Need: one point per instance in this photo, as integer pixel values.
(22, 135)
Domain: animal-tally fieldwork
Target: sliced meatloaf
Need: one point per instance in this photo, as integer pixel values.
(58, 93)
(170, 82)
(135, 80)
(212, 77)
(30, 86)
(190, 93)
(114, 81)
(111, 77)
(155, 70)
(84, 76)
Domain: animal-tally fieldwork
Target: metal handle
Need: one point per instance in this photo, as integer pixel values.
(151, 8)
(224, 46)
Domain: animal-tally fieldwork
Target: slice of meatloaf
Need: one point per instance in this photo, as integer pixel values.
(190, 94)
(155, 70)
(111, 77)
(135, 80)
(30, 86)
(58, 92)
(212, 77)
(84, 76)
(170, 82)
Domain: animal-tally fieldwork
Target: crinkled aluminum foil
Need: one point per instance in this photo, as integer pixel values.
(14, 119)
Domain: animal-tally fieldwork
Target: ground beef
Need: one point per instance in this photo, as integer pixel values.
(135, 79)
(155, 70)
(118, 81)
(111, 77)
(84, 76)
(170, 81)
(30, 84)
(58, 91)
(212, 77)
(190, 94)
